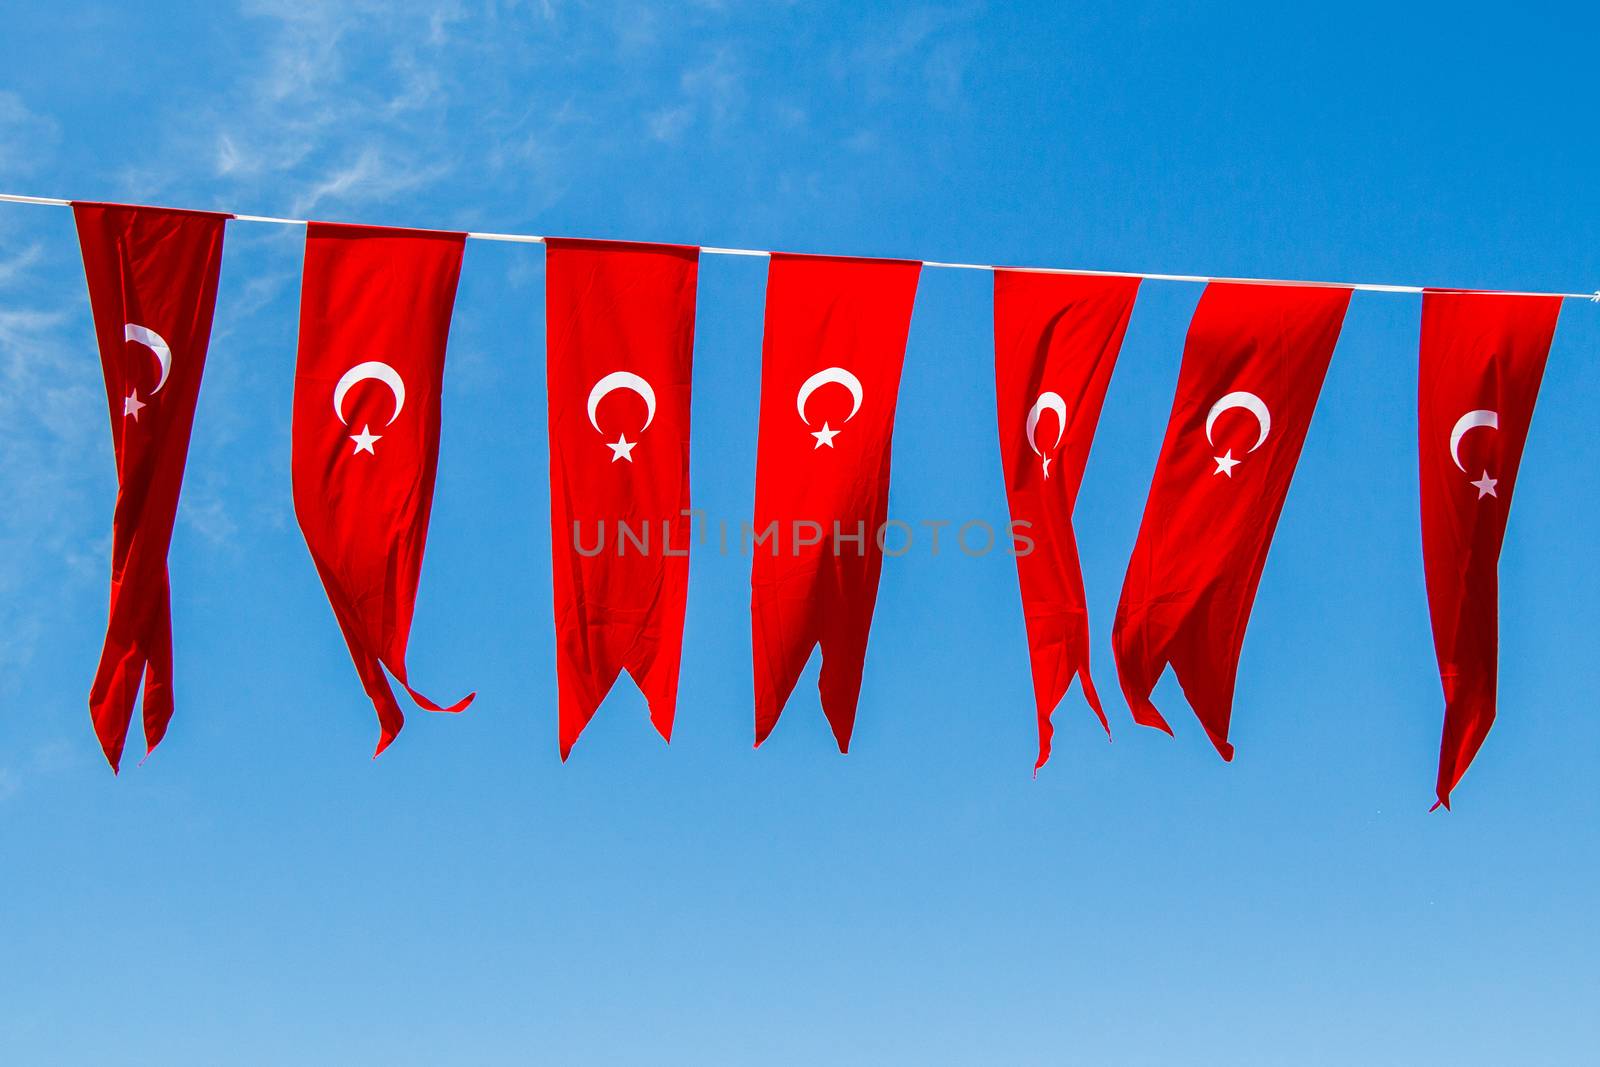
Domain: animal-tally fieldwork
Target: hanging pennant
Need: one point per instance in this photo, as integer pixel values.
(375, 310)
(152, 277)
(1056, 339)
(1482, 358)
(619, 352)
(830, 375)
(1253, 365)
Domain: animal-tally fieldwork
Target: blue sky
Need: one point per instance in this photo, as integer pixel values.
(262, 891)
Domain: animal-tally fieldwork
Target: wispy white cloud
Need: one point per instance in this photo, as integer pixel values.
(50, 757)
(13, 267)
(710, 91)
(906, 33)
(27, 139)
(368, 177)
(337, 103)
(717, 84)
(669, 123)
(924, 43)
(204, 511)
(49, 409)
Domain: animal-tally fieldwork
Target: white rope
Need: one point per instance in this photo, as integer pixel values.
(528, 238)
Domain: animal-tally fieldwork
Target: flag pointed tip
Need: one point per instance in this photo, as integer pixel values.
(842, 727)
(1158, 723)
(662, 721)
(1093, 700)
(1145, 714)
(113, 758)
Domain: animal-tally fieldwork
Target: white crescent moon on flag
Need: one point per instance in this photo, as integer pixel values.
(829, 376)
(1047, 402)
(372, 370)
(155, 343)
(621, 379)
(1470, 421)
(1251, 403)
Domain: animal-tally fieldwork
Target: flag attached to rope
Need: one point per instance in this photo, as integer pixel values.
(620, 346)
(375, 310)
(1056, 339)
(1253, 365)
(1482, 358)
(830, 375)
(152, 277)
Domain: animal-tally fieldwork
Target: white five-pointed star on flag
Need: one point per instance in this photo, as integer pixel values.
(132, 405)
(1485, 486)
(364, 440)
(824, 436)
(1225, 464)
(621, 449)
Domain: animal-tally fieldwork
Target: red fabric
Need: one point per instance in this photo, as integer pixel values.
(153, 287)
(835, 332)
(374, 319)
(1218, 490)
(620, 348)
(1056, 339)
(1483, 356)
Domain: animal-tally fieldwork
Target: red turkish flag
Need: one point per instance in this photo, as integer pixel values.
(1252, 368)
(153, 287)
(830, 375)
(1483, 356)
(1056, 339)
(375, 309)
(619, 354)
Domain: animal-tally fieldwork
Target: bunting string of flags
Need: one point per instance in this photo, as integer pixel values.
(620, 342)
(713, 250)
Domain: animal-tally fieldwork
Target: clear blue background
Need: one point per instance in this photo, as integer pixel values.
(262, 891)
